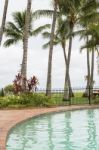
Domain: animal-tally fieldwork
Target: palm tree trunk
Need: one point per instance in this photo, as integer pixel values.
(25, 44)
(86, 93)
(3, 19)
(92, 72)
(88, 68)
(49, 74)
(64, 52)
(66, 84)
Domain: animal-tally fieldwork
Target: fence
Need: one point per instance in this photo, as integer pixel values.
(91, 96)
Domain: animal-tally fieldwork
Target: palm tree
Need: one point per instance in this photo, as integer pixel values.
(71, 9)
(25, 43)
(3, 19)
(14, 31)
(89, 17)
(91, 46)
(61, 4)
(61, 36)
(49, 73)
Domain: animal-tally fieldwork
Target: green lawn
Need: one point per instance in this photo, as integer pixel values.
(76, 100)
(31, 100)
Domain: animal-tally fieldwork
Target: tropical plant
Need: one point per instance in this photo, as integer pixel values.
(89, 19)
(31, 84)
(61, 37)
(56, 13)
(87, 16)
(8, 89)
(70, 9)
(90, 61)
(25, 43)
(49, 73)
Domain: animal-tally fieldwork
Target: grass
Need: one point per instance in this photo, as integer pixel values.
(76, 100)
(40, 100)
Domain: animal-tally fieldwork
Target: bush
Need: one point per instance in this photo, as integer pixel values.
(96, 101)
(2, 92)
(37, 100)
(9, 89)
(30, 84)
(4, 102)
(26, 100)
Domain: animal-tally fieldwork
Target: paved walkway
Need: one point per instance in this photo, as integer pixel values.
(9, 118)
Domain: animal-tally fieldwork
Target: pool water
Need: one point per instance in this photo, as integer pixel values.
(71, 130)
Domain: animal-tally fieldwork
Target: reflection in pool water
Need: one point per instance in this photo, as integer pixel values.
(72, 130)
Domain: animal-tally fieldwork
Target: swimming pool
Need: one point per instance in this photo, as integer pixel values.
(70, 130)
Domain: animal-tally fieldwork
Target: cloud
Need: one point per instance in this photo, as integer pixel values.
(11, 58)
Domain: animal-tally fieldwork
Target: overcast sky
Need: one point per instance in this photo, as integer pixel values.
(10, 58)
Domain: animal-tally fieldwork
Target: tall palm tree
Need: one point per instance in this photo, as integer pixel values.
(3, 19)
(61, 36)
(25, 43)
(89, 17)
(14, 31)
(49, 73)
(71, 9)
(92, 46)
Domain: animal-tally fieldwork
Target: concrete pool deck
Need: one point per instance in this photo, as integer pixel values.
(9, 118)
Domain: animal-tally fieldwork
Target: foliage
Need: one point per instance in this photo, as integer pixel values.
(8, 89)
(2, 92)
(31, 84)
(26, 100)
(14, 31)
(31, 100)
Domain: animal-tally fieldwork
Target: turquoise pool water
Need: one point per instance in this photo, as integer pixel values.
(72, 130)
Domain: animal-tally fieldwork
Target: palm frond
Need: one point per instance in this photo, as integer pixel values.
(45, 46)
(79, 32)
(90, 5)
(42, 13)
(46, 35)
(11, 25)
(91, 44)
(40, 29)
(10, 42)
(9, 32)
(19, 18)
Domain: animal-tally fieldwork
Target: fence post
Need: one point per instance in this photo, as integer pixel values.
(89, 96)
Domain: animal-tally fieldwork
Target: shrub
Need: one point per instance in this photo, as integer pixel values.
(4, 102)
(96, 101)
(2, 92)
(26, 100)
(9, 89)
(30, 84)
(37, 100)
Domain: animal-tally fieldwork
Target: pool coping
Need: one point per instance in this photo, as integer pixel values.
(10, 118)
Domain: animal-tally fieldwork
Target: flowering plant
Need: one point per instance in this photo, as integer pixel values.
(31, 84)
